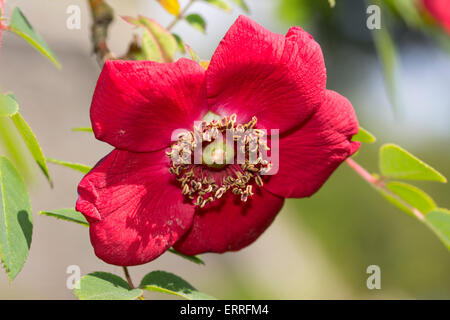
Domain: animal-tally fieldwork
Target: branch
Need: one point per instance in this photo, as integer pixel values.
(379, 184)
(102, 15)
(180, 16)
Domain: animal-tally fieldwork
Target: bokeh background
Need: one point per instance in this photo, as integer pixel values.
(317, 248)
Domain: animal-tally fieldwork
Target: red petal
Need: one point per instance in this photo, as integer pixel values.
(230, 224)
(440, 10)
(254, 72)
(138, 104)
(135, 210)
(309, 155)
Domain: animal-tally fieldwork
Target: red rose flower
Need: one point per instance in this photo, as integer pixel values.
(2, 5)
(440, 10)
(140, 202)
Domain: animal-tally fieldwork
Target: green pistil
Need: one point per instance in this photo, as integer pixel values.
(210, 116)
(218, 154)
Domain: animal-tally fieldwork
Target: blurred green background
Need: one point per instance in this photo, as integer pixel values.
(317, 248)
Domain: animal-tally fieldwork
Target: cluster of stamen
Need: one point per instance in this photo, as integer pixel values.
(197, 181)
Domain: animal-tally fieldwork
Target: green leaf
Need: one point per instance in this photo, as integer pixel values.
(105, 286)
(165, 282)
(387, 54)
(194, 259)
(411, 195)
(439, 221)
(180, 43)
(75, 166)
(82, 129)
(166, 42)
(8, 105)
(132, 20)
(150, 48)
(242, 5)
(20, 25)
(16, 220)
(220, 4)
(12, 146)
(332, 3)
(196, 21)
(158, 44)
(33, 145)
(192, 53)
(398, 163)
(409, 11)
(364, 136)
(66, 214)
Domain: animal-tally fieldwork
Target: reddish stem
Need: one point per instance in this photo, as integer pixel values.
(378, 183)
(361, 171)
(127, 276)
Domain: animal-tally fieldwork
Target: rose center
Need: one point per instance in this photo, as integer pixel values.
(217, 156)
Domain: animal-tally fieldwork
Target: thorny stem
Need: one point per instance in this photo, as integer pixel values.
(103, 15)
(180, 16)
(379, 184)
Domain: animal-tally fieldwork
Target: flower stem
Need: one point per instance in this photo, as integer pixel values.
(127, 276)
(361, 171)
(379, 184)
(180, 16)
(130, 282)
